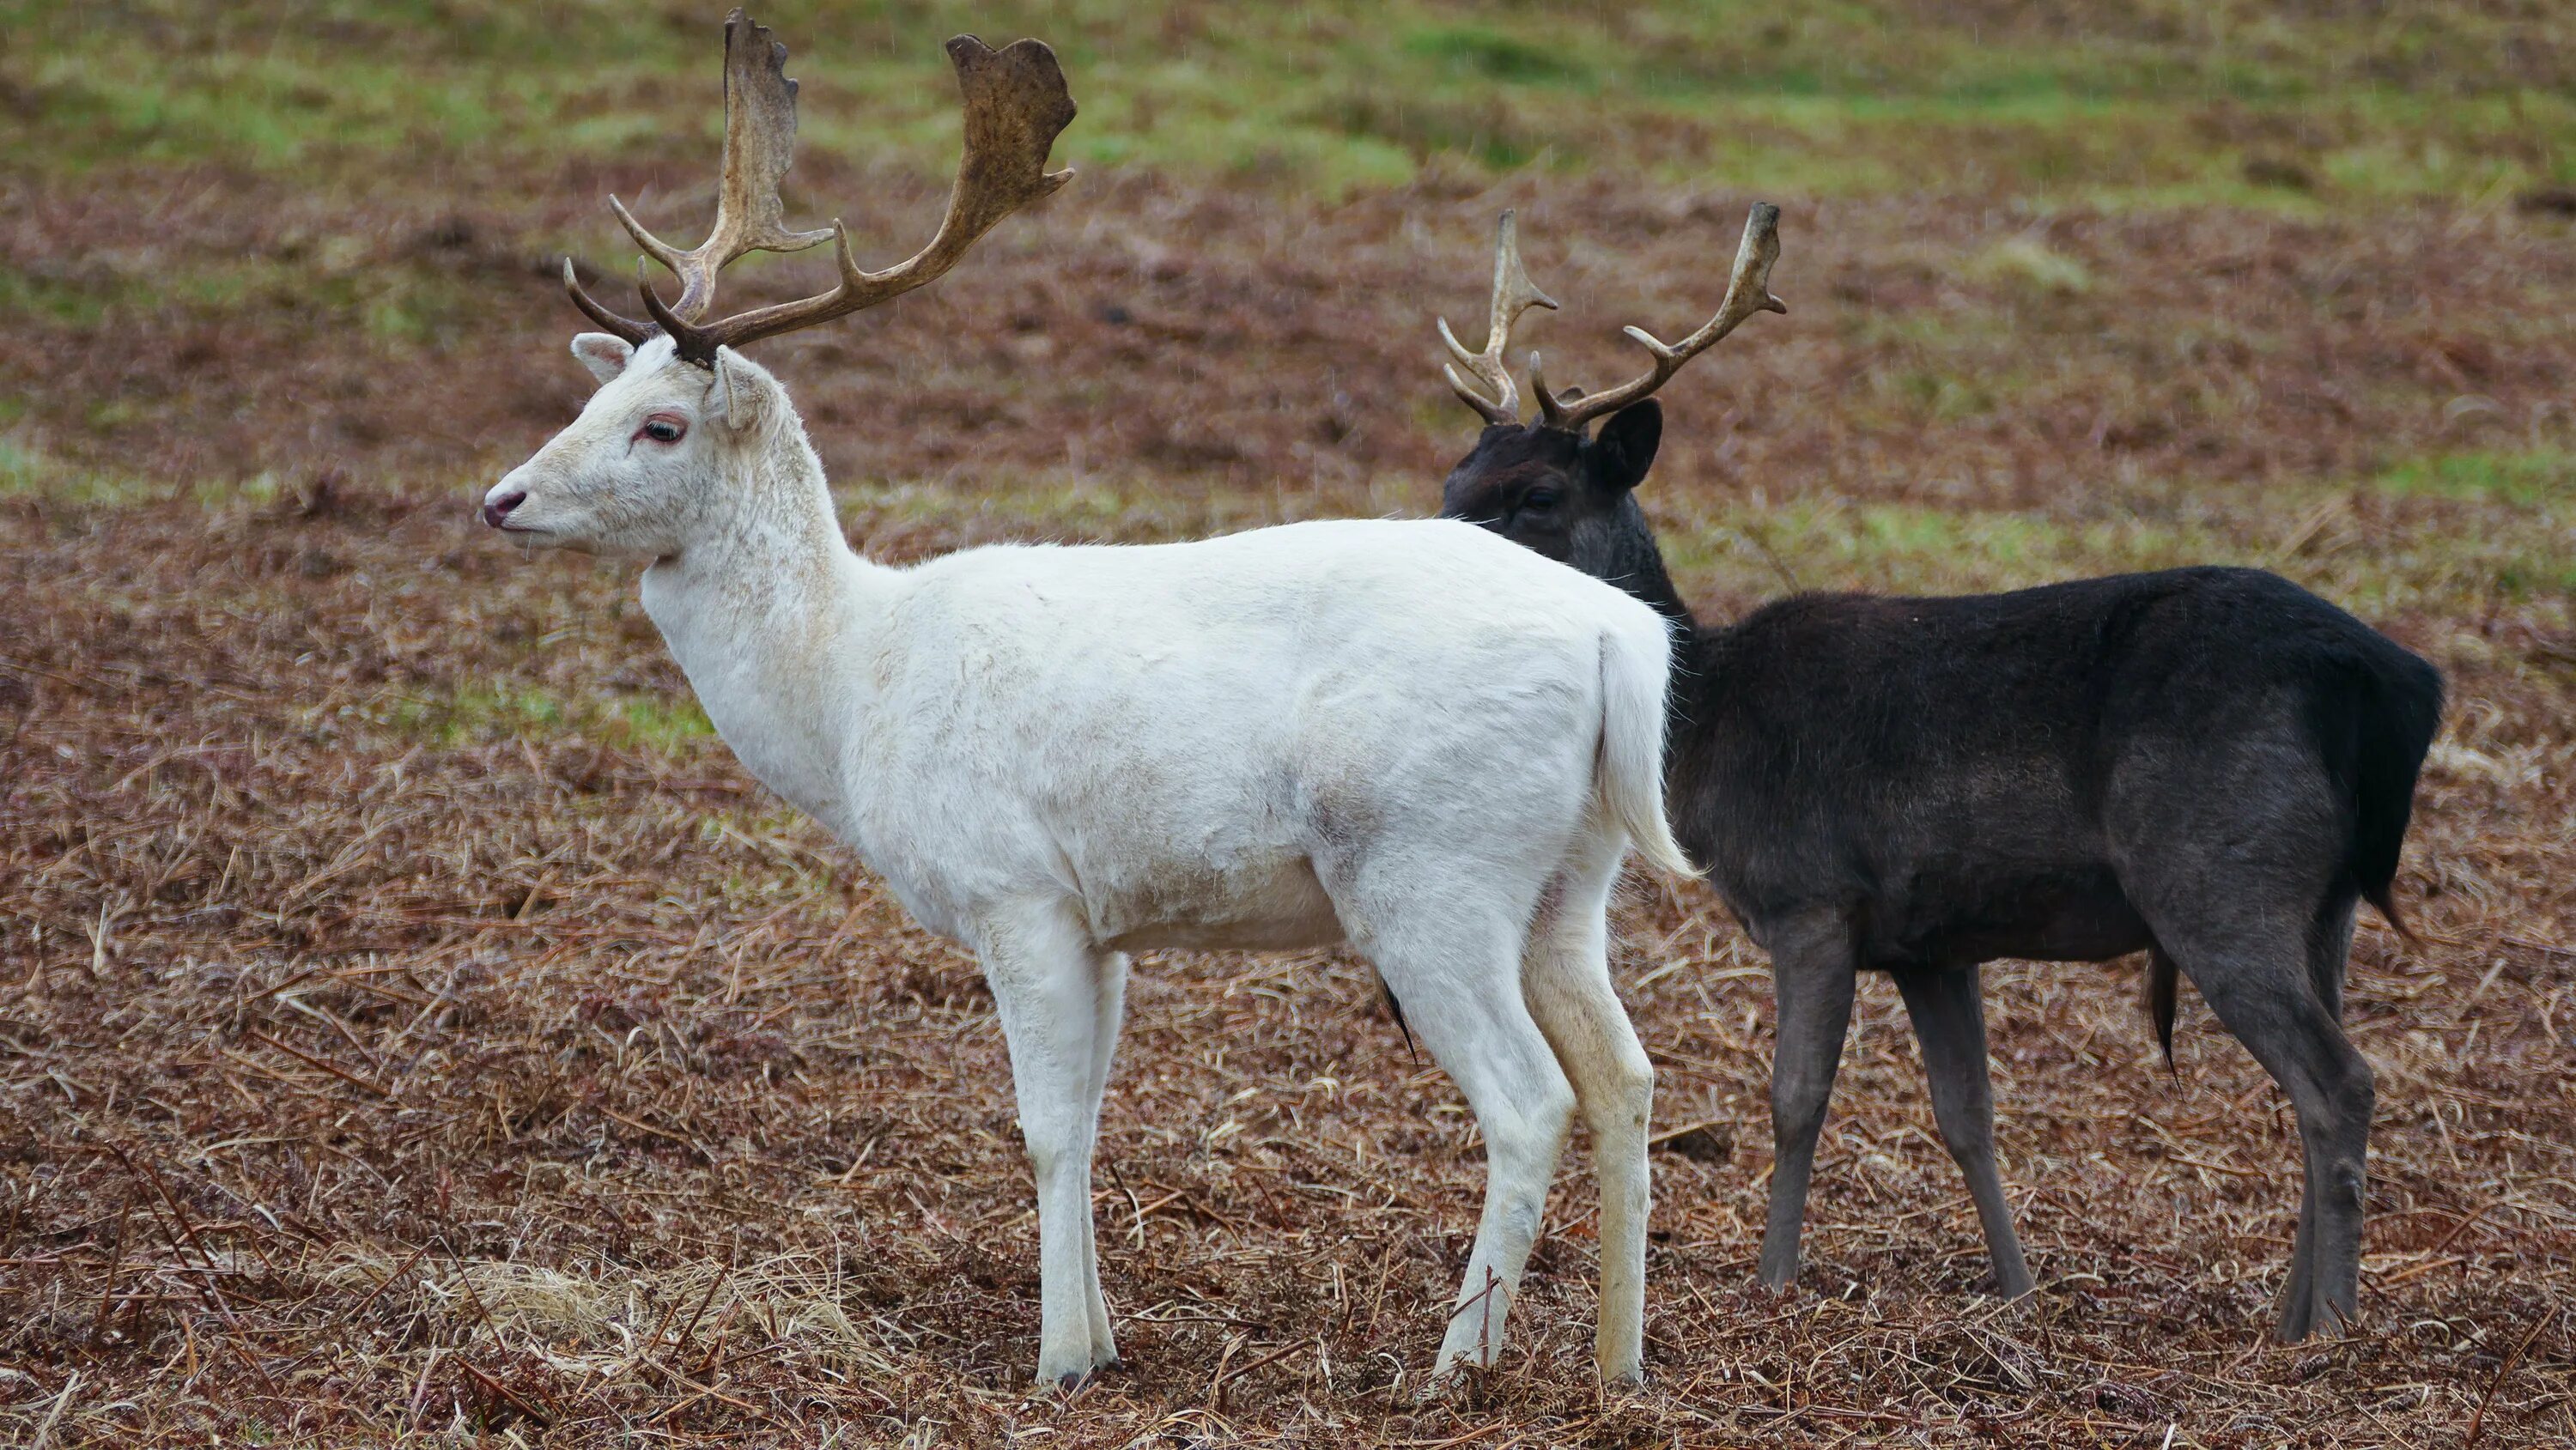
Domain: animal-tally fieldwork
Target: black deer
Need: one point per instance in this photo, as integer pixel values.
(2208, 765)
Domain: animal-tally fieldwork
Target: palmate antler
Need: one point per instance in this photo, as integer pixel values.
(1513, 295)
(1015, 104)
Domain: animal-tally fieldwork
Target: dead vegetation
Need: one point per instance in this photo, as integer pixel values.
(374, 1069)
(414, 1025)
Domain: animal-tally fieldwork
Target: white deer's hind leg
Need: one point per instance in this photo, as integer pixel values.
(1567, 982)
(1109, 1004)
(1524, 1105)
(1454, 968)
(1045, 974)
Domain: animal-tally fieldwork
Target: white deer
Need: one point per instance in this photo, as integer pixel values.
(1415, 737)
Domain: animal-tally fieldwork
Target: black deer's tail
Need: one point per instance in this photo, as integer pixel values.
(2160, 987)
(2394, 721)
(2373, 709)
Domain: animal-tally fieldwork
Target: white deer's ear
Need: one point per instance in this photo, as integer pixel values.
(744, 391)
(605, 355)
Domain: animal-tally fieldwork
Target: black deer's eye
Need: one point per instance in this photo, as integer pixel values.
(663, 430)
(1539, 500)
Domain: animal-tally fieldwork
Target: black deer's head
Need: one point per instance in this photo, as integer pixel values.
(1566, 496)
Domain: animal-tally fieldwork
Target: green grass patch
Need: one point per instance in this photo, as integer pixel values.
(476, 715)
(2030, 263)
(483, 714)
(2533, 576)
(324, 280)
(2541, 478)
(2452, 563)
(2149, 104)
(1911, 549)
(57, 298)
(1050, 506)
(27, 471)
(666, 725)
(1482, 53)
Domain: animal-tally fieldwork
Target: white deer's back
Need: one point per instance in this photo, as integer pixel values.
(1173, 733)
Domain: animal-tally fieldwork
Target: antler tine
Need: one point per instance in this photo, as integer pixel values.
(759, 147)
(1015, 103)
(1513, 295)
(1748, 291)
(634, 332)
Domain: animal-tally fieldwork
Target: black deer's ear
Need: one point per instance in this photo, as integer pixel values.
(1628, 441)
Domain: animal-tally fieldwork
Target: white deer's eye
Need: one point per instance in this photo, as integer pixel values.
(663, 430)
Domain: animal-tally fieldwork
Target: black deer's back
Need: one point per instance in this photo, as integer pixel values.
(1939, 768)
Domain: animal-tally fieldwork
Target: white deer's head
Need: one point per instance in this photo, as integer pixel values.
(660, 454)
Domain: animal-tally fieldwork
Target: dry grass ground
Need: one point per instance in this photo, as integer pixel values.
(414, 1025)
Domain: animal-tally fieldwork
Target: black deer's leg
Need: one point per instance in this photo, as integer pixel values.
(2262, 990)
(2328, 946)
(1950, 1022)
(1813, 976)
(2327, 1276)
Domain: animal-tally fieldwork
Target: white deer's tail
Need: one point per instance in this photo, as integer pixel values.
(1628, 779)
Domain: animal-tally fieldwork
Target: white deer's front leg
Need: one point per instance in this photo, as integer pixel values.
(1044, 973)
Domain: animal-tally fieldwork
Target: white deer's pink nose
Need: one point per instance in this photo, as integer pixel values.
(497, 507)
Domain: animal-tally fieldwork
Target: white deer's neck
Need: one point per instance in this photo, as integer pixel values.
(771, 619)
